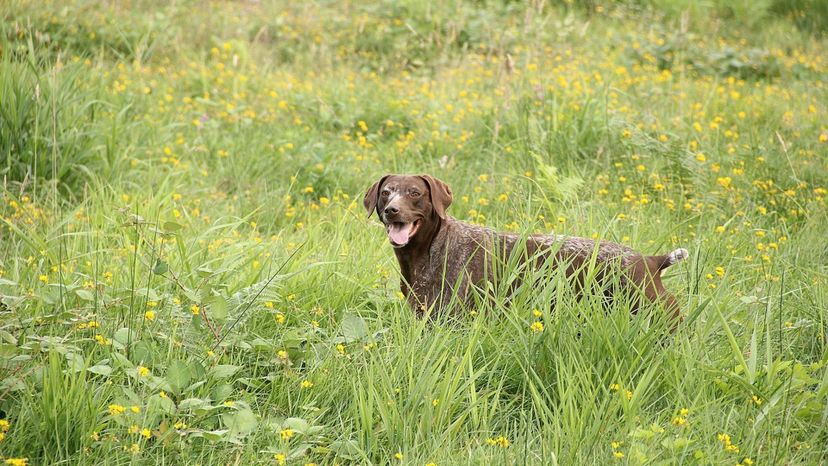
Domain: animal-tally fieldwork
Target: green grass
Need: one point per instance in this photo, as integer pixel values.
(188, 276)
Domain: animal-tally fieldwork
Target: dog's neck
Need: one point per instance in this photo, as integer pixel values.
(417, 252)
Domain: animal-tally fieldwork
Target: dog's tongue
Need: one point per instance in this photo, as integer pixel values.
(398, 232)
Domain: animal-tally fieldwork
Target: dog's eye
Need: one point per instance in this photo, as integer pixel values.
(385, 193)
(414, 194)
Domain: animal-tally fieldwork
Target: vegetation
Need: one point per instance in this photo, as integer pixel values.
(188, 276)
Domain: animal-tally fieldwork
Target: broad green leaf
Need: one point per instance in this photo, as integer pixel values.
(100, 369)
(158, 404)
(297, 424)
(7, 351)
(160, 267)
(85, 294)
(125, 336)
(8, 337)
(240, 422)
(76, 362)
(172, 227)
(178, 375)
(217, 307)
(353, 328)
(346, 449)
(223, 371)
(214, 435)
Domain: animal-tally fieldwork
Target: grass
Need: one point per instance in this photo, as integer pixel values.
(188, 276)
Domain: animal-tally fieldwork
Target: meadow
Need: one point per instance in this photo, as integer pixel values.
(187, 274)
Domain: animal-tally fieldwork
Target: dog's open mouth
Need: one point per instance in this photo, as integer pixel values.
(400, 233)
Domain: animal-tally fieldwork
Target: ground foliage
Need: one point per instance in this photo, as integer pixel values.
(188, 277)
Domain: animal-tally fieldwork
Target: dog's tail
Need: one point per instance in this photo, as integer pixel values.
(674, 257)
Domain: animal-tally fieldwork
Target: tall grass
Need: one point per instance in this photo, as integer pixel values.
(188, 276)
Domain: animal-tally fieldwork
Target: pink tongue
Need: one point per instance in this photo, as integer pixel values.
(399, 232)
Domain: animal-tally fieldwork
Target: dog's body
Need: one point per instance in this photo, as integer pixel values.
(441, 257)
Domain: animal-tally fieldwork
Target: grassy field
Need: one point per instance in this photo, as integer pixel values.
(187, 275)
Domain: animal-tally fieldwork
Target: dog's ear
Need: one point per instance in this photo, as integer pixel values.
(371, 196)
(440, 194)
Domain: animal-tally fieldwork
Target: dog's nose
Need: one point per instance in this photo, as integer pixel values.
(391, 210)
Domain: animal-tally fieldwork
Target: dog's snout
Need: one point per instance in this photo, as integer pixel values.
(391, 210)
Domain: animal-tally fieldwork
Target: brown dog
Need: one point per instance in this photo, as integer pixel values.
(441, 257)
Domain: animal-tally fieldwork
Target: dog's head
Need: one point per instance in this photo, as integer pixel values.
(407, 204)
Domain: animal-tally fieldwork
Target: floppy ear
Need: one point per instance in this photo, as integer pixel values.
(440, 194)
(370, 200)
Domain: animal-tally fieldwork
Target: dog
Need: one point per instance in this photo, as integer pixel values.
(442, 258)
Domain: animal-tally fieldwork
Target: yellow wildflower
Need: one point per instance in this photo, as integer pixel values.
(116, 409)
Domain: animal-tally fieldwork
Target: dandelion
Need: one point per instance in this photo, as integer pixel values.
(195, 309)
(282, 354)
(162, 394)
(280, 318)
(499, 441)
(306, 384)
(102, 341)
(286, 434)
(143, 371)
(398, 456)
(134, 449)
(149, 315)
(180, 425)
(280, 458)
(146, 433)
(728, 445)
(536, 327)
(135, 409)
(116, 409)
(17, 461)
(614, 387)
(618, 454)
